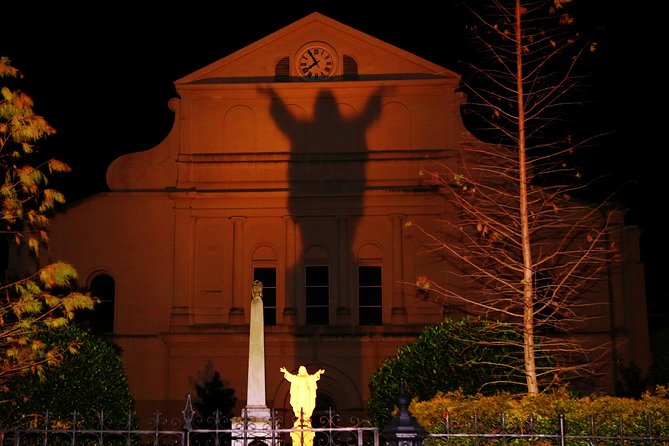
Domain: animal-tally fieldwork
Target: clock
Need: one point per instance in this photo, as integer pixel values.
(315, 62)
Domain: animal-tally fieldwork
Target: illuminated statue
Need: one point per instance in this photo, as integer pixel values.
(302, 393)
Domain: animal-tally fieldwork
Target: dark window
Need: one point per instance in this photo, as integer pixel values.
(350, 69)
(282, 70)
(369, 295)
(101, 318)
(268, 278)
(317, 295)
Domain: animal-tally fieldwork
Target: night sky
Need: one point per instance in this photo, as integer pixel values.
(102, 76)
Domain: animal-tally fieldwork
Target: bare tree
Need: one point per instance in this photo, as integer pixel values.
(533, 253)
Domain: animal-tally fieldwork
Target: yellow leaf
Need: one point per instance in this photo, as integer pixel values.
(423, 282)
(51, 301)
(58, 166)
(73, 347)
(33, 244)
(6, 93)
(37, 346)
(53, 357)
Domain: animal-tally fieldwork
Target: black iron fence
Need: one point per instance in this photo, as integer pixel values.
(193, 430)
(612, 431)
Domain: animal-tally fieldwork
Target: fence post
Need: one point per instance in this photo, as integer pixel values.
(563, 440)
(188, 414)
(404, 430)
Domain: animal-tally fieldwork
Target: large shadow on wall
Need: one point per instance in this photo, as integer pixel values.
(326, 173)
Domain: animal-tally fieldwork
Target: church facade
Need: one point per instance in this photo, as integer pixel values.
(294, 161)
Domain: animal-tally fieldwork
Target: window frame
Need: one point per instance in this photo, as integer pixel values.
(370, 313)
(269, 311)
(322, 317)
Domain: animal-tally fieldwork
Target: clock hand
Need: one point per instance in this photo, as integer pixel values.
(312, 58)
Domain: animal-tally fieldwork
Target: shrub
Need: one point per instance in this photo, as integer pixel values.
(470, 355)
(215, 397)
(596, 415)
(91, 382)
(659, 372)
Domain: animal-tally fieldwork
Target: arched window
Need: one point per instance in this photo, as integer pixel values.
(267, 275)
(317, 286)
(264, 270)
(350, 69)
(370, 285)
(282, 70)
(101, 318)
(370, 293)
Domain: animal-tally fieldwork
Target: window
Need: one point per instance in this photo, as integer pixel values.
(317, 295)
(350, 69)
(268, 278)
(282, 70)
(101, 319)
(369, 295)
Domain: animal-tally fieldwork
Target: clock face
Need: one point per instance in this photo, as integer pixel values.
(316, 63)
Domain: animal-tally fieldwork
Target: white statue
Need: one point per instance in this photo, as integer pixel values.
(302, 392)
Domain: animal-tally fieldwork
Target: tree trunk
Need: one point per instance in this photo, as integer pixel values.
(528, 289)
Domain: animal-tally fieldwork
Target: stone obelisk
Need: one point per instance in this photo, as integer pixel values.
(256, 404)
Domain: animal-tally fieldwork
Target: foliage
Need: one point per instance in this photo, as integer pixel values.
(631, 382)
(91, 382)
(529, 252)
(214, 397)
(44, 299)
(455, 412)
(471, 355)
(659, 373)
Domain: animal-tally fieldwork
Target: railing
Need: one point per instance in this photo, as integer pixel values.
(193, 430)
(477, 432)
(219, 431)
(256, 435)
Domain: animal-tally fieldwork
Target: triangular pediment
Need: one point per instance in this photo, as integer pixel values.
(226, 119)
(257, 62)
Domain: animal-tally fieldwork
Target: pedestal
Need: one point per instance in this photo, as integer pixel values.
(255, 426)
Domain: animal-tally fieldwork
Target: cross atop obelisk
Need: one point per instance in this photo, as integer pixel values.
(256, 404)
